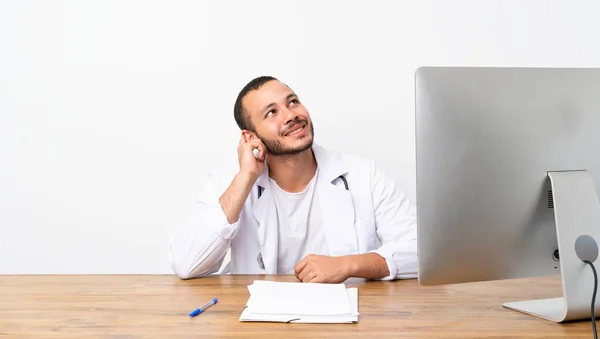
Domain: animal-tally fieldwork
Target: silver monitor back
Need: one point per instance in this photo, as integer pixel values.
(486, 139)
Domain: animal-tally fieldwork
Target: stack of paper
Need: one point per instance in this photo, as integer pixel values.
(301, 303)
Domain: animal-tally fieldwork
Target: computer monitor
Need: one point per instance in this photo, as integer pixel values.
(508, 170)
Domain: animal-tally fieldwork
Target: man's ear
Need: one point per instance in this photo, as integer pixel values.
(248, 135)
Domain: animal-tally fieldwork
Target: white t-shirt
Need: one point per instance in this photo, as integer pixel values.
(299, 225)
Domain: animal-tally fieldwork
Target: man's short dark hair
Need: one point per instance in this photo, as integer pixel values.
(240, 115)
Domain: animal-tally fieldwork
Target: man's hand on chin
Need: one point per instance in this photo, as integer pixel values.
(322, 269)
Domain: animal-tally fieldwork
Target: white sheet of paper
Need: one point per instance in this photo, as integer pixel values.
(268, 297)
(352, 297)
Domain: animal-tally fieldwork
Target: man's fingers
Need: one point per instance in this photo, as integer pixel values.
(257, 144)
(306, 271)
(314, 279)
(300, 266)
(262, 151)
(303, 274)
(306, 275)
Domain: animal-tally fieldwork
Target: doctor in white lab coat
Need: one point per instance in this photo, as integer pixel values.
(295, 207)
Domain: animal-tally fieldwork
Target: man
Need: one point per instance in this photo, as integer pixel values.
(295, 207)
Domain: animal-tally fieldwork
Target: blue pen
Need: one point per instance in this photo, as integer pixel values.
(203, 307)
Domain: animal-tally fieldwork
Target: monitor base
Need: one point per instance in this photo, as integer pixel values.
(550, 309)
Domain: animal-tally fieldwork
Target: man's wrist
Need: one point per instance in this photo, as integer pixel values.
(246, 178)
(350, 265)
(369, 266)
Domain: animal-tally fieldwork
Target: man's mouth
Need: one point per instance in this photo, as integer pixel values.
(296, 130)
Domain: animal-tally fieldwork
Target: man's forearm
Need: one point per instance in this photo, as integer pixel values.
(368, 266)
(232, 201)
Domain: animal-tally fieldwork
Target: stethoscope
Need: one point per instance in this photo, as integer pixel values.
(260, 188)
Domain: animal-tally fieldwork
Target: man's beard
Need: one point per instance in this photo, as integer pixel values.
(276, 147)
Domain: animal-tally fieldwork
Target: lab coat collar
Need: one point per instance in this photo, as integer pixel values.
(330, 165)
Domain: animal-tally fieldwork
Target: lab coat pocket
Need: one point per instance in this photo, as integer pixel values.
(365, 232)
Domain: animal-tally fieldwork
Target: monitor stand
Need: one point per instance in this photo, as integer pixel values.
(577, 213)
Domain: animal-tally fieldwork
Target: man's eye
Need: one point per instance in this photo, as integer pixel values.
(294, 101)
(269, 112)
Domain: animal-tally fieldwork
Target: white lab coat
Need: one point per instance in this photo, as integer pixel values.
(354, 220)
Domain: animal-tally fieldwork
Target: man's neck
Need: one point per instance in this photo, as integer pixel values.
(292, 172)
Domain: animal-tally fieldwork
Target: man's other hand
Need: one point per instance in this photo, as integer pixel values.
(322, 269)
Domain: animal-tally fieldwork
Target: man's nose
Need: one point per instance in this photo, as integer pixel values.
(289, 116)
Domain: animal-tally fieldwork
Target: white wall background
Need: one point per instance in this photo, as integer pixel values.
(113, 112)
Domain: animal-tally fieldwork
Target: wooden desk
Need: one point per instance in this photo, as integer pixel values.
(146, 306)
